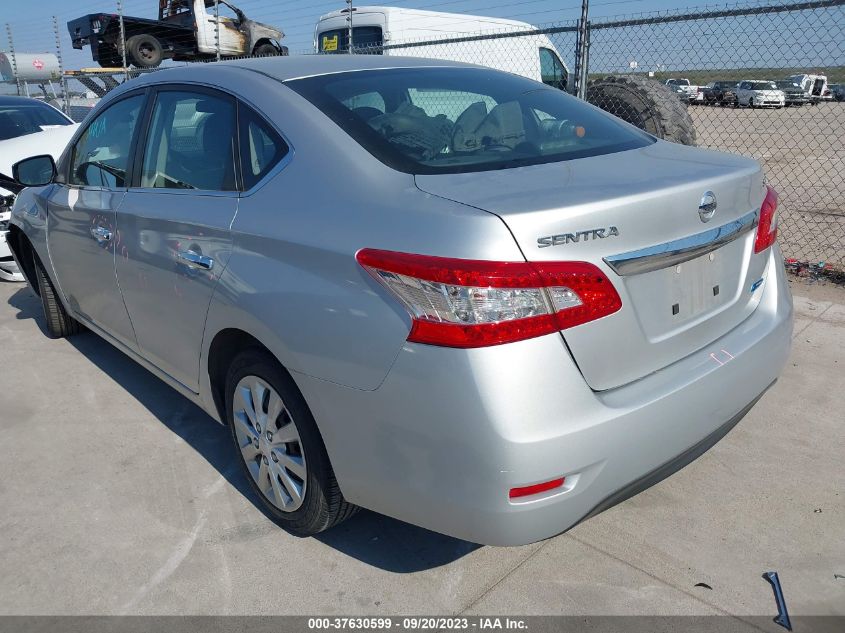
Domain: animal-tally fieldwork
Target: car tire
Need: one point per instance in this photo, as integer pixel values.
(645, 103)
(751, 102)
(59, 323)
(144, 50)
(265, 50)
(297, 459)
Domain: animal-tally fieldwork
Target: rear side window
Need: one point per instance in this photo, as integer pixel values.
(261, 148)
(100, 156)
(191, 142)
(454, 120)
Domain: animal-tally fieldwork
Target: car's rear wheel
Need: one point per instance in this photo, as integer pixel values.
(750, 102)
(280, 448)
(59, 323)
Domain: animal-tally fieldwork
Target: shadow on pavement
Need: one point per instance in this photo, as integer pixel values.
(372, 538)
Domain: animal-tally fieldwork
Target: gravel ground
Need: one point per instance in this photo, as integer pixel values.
(803, 152)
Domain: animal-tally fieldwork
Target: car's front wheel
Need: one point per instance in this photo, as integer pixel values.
(59, 323)
(280, 448)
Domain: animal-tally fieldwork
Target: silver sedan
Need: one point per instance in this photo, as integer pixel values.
(445, 293)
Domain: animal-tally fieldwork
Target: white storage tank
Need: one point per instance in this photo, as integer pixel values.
(30, 66)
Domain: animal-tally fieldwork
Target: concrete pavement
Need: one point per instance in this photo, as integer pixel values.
(118, 496)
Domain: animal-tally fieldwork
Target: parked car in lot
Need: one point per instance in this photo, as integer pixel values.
(837, 92)
(684, 85)
(443, 292)
(815, 86)
(793, 94)
(720, 93)
(26, 129)
(680, 92)
(759, 94)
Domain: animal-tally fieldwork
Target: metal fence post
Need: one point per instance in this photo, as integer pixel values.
(62, 78)
(585, 62)
(13, 56)
(122, 38)
(581, 50)
(349, 24)
(217, 29)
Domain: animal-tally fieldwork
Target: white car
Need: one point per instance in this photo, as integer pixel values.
(28, 127)
(693, 93)
(759, 94)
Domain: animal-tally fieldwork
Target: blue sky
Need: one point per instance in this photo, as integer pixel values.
(781, 40)
(32, 28)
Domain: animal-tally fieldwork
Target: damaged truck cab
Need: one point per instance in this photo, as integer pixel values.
(186, 30)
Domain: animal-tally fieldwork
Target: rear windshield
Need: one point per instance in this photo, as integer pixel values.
(453, 120)
(364, 38)
(25, 118)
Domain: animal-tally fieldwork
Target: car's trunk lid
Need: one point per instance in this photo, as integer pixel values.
(629, 213)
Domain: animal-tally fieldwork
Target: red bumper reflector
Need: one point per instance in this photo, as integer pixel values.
(527, 491)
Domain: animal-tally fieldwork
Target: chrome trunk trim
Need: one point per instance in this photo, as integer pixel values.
(659, 256)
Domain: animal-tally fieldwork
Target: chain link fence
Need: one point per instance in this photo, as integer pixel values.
(760, 79)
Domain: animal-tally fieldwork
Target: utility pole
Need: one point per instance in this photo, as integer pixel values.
(122, 39)
(62, 78)
(581, 46)
(217, 28)
(14, 57)
(349, 24)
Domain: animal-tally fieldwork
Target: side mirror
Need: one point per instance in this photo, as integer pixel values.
(35, 171)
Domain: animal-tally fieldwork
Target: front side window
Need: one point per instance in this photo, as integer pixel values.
(101, 155)
(261, 148)
(453, 120)
(191, 143)
(552, 71)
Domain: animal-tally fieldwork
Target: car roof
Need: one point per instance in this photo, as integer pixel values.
(13, 100)
(283, 68)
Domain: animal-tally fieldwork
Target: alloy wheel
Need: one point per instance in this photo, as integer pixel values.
(269, 443)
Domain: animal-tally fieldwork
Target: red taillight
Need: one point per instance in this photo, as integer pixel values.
(527, 491)
(473, 303)
(767, 226)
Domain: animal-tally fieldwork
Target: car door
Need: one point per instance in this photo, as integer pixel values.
(231, 40)
(81, 222)
(174, 223)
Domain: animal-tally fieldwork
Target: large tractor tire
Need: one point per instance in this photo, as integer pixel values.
(144, 50)
(649, 105)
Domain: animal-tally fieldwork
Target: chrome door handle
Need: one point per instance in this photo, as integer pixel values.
(195, 260)
(101, 234)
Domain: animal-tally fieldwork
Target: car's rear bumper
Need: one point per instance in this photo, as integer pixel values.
(449, 432)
